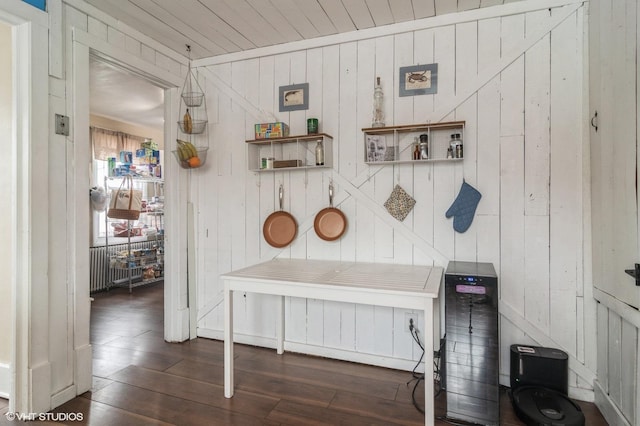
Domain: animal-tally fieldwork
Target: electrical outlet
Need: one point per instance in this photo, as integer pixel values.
(409, 319)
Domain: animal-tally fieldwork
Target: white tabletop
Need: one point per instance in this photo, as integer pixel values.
(424, 281)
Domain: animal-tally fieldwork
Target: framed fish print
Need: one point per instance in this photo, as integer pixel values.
(294, 97)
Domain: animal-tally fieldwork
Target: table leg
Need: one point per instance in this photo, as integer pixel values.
(228, 341)
(280, 326)
(429, 411)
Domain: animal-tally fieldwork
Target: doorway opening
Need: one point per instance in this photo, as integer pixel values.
(126, 256)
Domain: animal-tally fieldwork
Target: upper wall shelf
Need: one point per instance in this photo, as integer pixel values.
(397, 144)
(290, 153)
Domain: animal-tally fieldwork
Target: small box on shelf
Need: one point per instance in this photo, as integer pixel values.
(278, 164)
(271, 130)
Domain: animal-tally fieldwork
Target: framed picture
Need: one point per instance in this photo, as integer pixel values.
(419, 80)
(294, 97)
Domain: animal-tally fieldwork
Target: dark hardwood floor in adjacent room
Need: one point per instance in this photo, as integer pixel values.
(140, 379)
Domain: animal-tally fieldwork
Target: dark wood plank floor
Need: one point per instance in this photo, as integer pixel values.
(140, 379)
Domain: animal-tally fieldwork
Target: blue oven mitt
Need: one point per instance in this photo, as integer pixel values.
(464, 207)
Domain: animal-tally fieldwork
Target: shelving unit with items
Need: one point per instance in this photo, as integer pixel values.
(133, 267)
(402, 144)
(312, 151)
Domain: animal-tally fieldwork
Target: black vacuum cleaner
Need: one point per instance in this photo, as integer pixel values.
(539, 387)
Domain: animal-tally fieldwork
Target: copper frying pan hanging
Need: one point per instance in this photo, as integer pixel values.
(330, 222)
(280, 227)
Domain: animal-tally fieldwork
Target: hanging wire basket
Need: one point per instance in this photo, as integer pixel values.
(194, 127)
(193, 99)
(191, 161)
(191, 151)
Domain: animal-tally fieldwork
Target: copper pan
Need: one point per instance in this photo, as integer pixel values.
(280, 227)
(330, 222)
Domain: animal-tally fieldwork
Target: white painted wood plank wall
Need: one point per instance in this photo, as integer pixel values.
(523, 152)
(614, 43)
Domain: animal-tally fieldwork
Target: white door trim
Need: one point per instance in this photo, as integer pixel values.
(83, 44)
(29, 390)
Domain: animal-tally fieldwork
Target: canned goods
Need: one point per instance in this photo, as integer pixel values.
(266, 162)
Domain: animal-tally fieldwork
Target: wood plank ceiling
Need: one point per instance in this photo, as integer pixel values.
(217, 27)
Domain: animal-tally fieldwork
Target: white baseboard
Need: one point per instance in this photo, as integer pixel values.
(263, 342)
(609, 411)
(83, 369)
(581, 394)
(5, 380)
(40, 378)
(359, 357)
(65, 395)
(303, 348)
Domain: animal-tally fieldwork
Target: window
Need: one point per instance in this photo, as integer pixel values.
(108, 143)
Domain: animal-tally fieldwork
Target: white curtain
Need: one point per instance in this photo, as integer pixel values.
(109, 143)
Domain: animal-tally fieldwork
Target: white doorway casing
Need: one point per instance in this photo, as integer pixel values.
(81, 45)
(7, 234)
(29, 369)
(176, 309)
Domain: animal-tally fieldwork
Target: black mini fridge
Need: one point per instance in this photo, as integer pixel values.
(470, 363)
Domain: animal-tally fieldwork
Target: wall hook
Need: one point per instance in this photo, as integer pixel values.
(635, 273)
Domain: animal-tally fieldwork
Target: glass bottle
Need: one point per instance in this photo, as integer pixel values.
(319, 154)
(456, 145)
(424, 146)
(378, 103)
(416, 149)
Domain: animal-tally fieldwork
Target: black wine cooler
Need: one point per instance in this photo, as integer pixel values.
(470, 363)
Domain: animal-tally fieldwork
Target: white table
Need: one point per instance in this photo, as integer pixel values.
(398, 286)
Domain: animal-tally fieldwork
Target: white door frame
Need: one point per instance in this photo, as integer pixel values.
(176, 310)
(29, 207)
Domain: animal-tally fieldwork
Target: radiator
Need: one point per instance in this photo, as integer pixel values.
(99, 264)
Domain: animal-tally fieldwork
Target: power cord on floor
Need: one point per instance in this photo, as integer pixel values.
(417, 377)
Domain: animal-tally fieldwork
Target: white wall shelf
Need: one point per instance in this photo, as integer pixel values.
(395, 144)
(299, 150)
